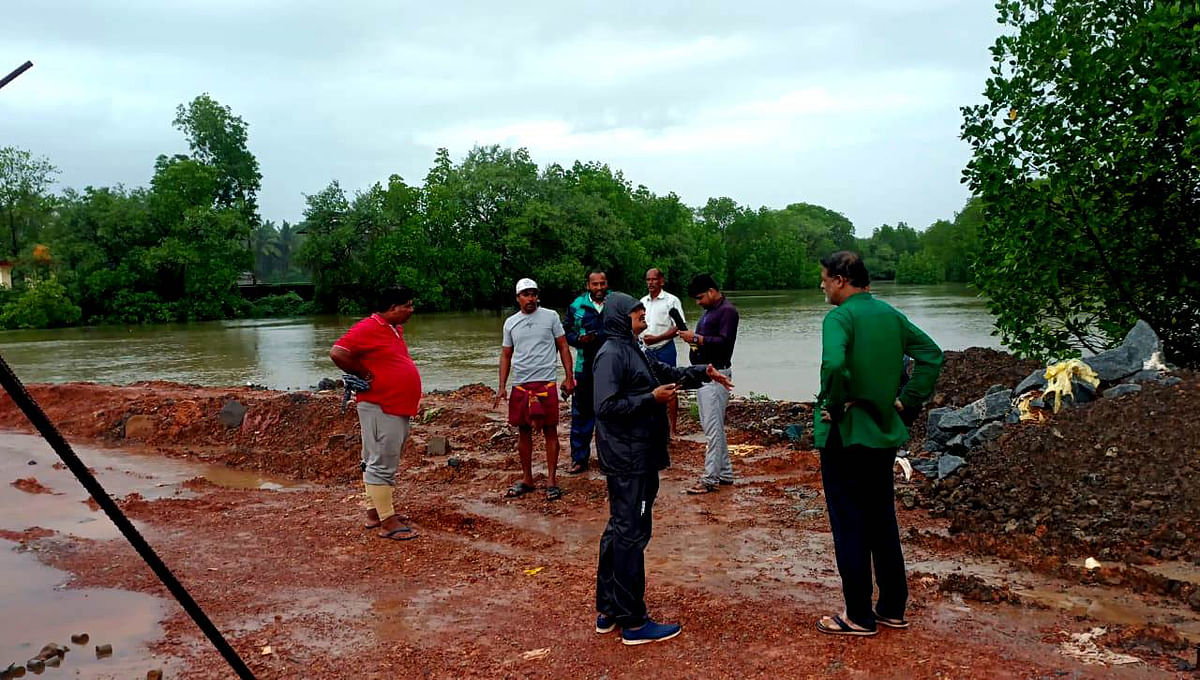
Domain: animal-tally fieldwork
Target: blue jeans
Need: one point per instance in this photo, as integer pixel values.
(583, 419)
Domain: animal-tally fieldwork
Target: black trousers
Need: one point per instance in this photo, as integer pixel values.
(621, 574)
(860, 496)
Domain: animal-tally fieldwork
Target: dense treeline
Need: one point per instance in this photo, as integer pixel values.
(176, 250)
(945, 251)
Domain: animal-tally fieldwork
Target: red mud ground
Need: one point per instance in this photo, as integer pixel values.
(747, 571)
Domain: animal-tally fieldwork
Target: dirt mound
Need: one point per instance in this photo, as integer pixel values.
(1115, 479)
(300, 435)
(30, 485)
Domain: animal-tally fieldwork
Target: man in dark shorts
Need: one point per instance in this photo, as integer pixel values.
(532, 338)
(374, 350)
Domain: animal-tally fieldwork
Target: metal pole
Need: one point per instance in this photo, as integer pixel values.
(12, 76)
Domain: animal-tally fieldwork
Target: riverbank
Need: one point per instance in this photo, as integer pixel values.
(502, 587)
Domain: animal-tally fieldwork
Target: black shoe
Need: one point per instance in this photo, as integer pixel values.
(726, 482)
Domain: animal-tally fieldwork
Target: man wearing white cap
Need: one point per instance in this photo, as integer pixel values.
(532, 337)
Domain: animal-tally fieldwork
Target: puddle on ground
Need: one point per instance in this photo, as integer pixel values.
(1180, 571)
(120, 472)
(34, 607)
(38, 610)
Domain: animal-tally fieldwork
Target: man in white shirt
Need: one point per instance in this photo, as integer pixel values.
(661, 330)
(533, 338)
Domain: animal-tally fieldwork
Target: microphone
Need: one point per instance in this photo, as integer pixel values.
(678, 319)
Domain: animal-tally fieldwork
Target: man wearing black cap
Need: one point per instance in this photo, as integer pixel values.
(712, 343)
(631, 392)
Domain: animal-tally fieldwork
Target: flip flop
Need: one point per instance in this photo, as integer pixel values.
(890, 623)
(840, 627)
(553, 493)
(399, 534)
(517, 490)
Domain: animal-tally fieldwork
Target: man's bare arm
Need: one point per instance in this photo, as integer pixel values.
(349, 363)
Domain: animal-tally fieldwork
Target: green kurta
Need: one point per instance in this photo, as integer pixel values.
(863, 343)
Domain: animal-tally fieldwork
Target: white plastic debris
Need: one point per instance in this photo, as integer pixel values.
(1082, 647)
(1091, 563)
(906, 467)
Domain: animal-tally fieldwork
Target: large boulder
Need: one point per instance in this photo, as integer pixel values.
(986, 433)
(992, 406)
(1132, 355)
(1034, 381)
(947, 464)
(935, 434)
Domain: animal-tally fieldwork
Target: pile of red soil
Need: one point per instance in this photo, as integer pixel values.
(1116, 479)
(300, 435)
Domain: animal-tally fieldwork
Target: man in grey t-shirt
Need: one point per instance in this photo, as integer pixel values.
(532, 338)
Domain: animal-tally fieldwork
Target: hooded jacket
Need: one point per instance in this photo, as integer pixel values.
(632, 430)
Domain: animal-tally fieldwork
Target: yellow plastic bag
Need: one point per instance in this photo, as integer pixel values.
(1059, 376)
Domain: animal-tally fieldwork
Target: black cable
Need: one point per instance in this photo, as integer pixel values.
(37, 416)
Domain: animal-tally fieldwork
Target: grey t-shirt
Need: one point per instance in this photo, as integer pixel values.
(532, 337)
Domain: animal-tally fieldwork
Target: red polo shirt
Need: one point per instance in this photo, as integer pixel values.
(381, 349)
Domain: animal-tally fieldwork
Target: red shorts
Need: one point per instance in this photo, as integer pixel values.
(533, 404)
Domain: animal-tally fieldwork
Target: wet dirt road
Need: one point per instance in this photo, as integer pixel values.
(497, 587)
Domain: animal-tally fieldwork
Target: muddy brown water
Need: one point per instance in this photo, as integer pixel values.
(36, 600)
(778, 347)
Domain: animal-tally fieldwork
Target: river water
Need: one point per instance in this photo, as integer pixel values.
(777, 354)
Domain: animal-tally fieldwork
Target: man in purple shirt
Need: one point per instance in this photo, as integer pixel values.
(712, 343)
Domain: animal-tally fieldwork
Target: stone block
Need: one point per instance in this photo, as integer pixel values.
(948, 464)
(438, 446)
(1034, 381)
(986, 433)
(232, 413)
(140, 427)
(1120, 390)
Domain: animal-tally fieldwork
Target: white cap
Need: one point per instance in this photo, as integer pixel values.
(526, 284)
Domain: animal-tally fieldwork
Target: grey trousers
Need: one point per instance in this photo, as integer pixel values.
(383, 437)
(712, 399)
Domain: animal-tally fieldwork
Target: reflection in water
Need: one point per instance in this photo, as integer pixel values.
(121, 472)
(778, 349)
(38, 611)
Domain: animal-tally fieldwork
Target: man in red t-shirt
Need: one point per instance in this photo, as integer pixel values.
(374, 350)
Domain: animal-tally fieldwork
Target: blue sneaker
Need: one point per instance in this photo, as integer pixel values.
(604, 624)
(650, 632)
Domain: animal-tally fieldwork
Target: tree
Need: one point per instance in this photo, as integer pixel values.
(219, 139)
(23, 183)
(1085, 157)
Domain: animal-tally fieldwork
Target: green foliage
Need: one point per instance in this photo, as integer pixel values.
(43, 304)
(1085, 158)
(919, 268)
(24, 205)
(280, 306)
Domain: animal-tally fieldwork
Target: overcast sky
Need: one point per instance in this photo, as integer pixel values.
(852, 105)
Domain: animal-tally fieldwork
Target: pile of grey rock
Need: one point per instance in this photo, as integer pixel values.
(951, 434)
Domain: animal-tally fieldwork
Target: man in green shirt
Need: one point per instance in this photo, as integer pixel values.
(859, 424)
